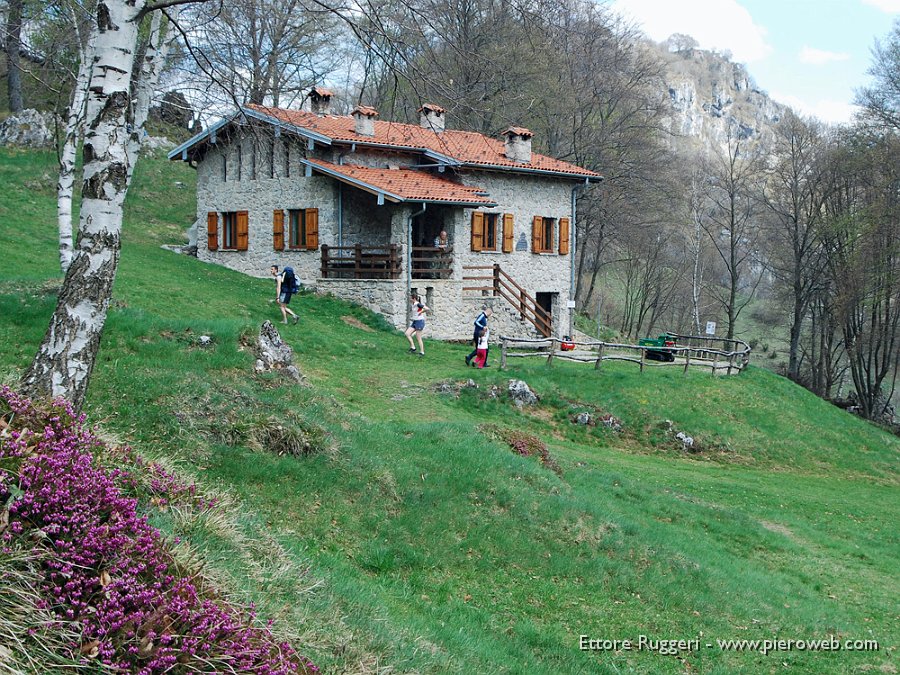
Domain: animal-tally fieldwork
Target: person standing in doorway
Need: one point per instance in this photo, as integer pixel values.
(481, 322)
(284, 289)
(419, 309)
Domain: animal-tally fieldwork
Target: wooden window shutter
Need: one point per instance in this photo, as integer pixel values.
(212, 231)
(564, 236)
(312, 229)
(508, 239)
(477, 231)
(537, 226)
(243, 230)
(278, 229)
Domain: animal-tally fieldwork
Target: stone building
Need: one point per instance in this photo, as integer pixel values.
(355, 206)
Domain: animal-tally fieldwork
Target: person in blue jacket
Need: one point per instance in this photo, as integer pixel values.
(481, 322)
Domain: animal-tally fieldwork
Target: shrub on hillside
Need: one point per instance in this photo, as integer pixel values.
(104, 567)
(524, 444)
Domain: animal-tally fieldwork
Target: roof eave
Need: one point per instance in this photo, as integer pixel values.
(181, 150)
(390, 196)
(594, 178)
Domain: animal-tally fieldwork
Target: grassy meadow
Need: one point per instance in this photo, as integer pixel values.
(411, 539)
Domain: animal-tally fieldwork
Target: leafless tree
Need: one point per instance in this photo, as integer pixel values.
(257, 51)
(862, 246)
(794, 197)
(732, 222)
(881, 101)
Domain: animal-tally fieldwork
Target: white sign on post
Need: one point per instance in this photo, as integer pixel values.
(710, 327)
(570, 304)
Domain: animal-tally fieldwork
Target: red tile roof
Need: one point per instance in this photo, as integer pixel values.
(321, 92)
(466, 147)
(406, 185)
(432, 107)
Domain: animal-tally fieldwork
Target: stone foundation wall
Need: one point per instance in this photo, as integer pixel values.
(452, 315)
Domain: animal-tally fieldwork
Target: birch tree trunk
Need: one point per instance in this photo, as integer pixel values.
(154, 59)
(696, 273)
(66, 356)
(74, 132)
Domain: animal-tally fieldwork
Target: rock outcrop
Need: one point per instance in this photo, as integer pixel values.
(28, 129)
(273, 353)
(710, 96)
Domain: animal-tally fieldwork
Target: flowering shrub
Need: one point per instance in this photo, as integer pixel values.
(105, 567)
(525, 444)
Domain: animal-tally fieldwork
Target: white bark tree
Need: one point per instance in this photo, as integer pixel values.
(66, 356)
(68, 154)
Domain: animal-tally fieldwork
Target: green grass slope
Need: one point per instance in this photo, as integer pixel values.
(417, 541)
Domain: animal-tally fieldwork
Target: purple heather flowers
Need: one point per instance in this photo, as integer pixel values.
(104, 566)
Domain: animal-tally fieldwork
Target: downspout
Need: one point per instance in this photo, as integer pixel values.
(340, 213)
(409, 256)
(340, 206)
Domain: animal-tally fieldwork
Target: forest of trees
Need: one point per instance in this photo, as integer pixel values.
(802, 229)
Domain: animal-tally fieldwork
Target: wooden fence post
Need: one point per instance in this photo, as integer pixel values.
(503, 354)
(687, 360)
(325, 249)
(599, 357)
(643, 353)
(394, 262)
(552, 349)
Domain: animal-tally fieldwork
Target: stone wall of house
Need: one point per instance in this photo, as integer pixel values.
(452, 312)
(235, 186)
(524, 197)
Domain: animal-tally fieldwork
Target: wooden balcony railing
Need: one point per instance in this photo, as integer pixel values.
(361, 262)
(430, 262)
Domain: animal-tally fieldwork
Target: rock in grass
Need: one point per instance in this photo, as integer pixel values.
(521, 393)
(273, 353)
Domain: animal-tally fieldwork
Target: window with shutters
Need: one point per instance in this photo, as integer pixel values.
(229, 230)
(235, 230)
(303, 229)
(297, 228)
(491, 222)
(542, 230)
(508, 236)
(564, 236)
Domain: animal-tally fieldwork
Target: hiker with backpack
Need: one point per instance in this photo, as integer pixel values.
(286, 285)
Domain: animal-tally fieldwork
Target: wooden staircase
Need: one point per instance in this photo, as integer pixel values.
(497, 282)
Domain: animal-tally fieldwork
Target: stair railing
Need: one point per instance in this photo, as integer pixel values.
(504, 286)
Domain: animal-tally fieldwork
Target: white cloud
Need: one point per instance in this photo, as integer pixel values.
(827, 110)
(819, 57)
(715, 24)
(886, 6)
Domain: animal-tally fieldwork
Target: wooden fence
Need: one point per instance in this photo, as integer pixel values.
(691, 350)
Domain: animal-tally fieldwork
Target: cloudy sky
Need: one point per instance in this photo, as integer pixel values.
(810, 54)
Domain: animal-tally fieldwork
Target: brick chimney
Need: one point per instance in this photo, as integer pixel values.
(364, 120)
(320, 100)
(518, 144)
(432, 117)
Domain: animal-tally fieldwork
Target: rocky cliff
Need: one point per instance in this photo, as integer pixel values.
(710, 96)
